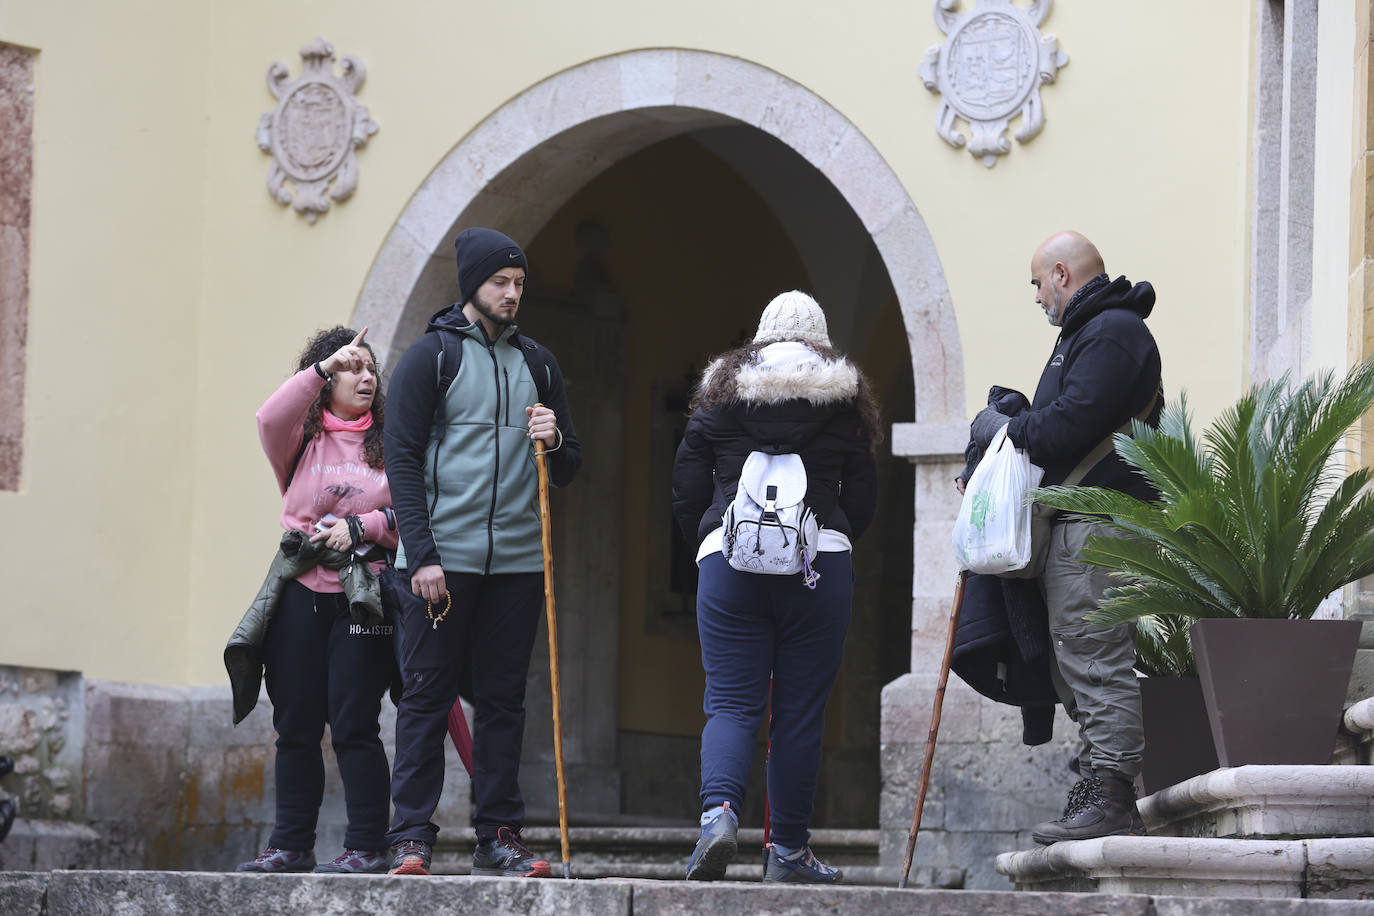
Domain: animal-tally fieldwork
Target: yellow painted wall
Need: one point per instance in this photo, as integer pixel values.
(170, 294)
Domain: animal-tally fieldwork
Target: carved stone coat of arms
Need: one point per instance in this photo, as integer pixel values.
(989, 69)
(314, 130)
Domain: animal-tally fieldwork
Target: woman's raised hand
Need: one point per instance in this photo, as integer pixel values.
(351, 357)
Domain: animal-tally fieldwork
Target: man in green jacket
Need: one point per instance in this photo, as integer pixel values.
(460, 462)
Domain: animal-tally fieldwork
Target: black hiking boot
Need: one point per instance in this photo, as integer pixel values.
(1097, 806)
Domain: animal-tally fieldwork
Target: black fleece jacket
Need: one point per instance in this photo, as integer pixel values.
(1105, 369)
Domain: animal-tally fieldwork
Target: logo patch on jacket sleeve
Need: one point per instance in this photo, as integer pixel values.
(1057, 361)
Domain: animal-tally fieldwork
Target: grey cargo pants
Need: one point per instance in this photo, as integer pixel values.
(1093, 671)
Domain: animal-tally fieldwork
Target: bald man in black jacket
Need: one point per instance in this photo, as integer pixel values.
(1104, 370)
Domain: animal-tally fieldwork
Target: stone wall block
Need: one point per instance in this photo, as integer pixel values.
(40, 846)
(157, 893)
(16, 139)
(229, 786)
(1000, 789)
(648, 78)
(137, 714)
(868, 184)
(212, 719)
(222, 847)
(726, 85)
(399, 264)
(42, 721)
(23, 894)
(430, 213)
(1341, 868)
(935, 571)
(807, 123)
(126, 782)
(582, 94)
(937, 498)
(973, 852)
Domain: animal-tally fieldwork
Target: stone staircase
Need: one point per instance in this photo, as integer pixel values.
(662, 852)
(1253, 831)
(155, 893)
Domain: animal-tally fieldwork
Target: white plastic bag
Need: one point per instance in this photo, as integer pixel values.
(992, 534)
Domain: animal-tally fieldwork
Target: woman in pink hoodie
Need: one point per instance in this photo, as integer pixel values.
(322, 432)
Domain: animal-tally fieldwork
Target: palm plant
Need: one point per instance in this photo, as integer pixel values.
(1162, 646)
(1253, 520)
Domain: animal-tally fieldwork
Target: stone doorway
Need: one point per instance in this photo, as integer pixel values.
(814, 206)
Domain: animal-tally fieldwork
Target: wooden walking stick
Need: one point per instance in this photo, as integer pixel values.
(553, 651)
(934, 726)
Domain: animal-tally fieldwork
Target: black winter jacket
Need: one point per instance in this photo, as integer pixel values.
(791, 400)
(1105, 369)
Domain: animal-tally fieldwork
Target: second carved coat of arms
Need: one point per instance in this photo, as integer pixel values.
(988, 70)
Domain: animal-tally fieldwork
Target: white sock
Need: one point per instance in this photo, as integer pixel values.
(710, 814)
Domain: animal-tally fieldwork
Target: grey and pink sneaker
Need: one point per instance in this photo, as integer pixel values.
(801, 866)
(356, 862)
(280, 861)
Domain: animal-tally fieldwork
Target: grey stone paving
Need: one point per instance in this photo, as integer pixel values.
(136, 893)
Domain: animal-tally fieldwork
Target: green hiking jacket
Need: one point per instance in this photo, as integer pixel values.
(296, 555)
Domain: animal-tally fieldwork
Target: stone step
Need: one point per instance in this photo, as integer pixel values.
(662, 853)
(145, 893)
(1204, 867)
(1252, 802)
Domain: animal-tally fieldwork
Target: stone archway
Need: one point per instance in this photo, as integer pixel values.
(521, 164)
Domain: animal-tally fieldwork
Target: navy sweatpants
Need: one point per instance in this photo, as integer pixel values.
(322, 668)
(752, 626)
(491, 628)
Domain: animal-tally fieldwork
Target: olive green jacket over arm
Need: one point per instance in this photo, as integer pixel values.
(296, 555)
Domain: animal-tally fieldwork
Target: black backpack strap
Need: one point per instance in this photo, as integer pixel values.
(540, 370)
(450, 359)
(295, 462)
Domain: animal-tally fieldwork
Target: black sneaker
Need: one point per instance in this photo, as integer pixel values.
(409, 857)
(801, 867)
(280, 861)
(355, 862)
(505, 856)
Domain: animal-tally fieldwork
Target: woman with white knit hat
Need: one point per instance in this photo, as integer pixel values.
(789, 392)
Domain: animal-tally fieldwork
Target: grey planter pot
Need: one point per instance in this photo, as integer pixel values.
(1274, 688)
(1178, 734)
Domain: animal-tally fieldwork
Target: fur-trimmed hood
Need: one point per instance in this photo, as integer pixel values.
(784, 371)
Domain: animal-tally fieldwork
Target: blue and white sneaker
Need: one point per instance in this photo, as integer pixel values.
(800, 867)
(717, 846)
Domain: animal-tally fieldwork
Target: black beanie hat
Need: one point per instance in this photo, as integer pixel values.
(481, 253)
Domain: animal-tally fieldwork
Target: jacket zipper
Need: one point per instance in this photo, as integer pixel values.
(505, 373)
(496, 476)
(434, 502)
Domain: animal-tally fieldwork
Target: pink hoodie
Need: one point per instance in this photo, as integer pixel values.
(331, 477)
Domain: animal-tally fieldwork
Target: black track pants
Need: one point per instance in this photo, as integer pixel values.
(322, 668)
(491, 628)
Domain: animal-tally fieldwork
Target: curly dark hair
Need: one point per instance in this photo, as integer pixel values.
(321, 347)
(722, 391)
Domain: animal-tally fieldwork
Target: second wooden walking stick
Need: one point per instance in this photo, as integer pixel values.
(553, 651)
(934, 726)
